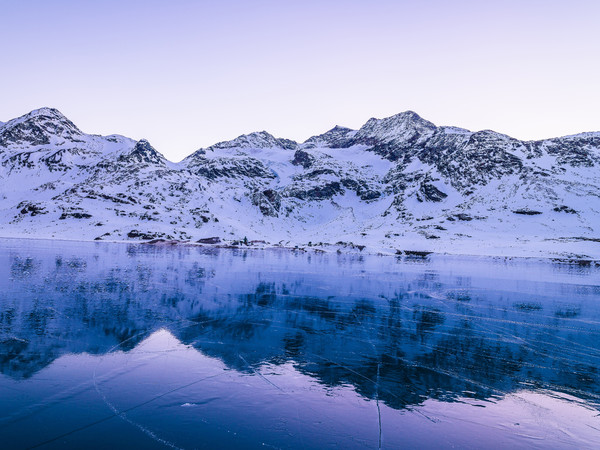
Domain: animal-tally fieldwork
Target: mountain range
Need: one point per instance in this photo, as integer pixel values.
(396, 184)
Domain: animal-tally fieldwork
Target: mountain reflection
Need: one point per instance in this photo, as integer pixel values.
(401, 337)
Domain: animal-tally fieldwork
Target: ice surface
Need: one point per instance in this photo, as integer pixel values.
(144, 346)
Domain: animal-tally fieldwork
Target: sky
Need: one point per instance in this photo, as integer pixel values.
(188, 74)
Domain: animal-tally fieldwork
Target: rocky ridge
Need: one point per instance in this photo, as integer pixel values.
(398, 182)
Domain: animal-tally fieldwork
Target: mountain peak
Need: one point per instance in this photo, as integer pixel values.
(256, 140)
(143, 152)
(39, 127)
(337, 137)
(340, 128)
(408, 114)
(405, 118)
(46, 111)
(407, 125)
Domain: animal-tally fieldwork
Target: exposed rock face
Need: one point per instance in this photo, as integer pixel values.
(257, 140)
(337, 137)
(240, 168)
(210, 240)
(268, 201)
(143, 153)
(429, 193)
(319, 192)
(394, 177)
(391, 136)
(39, 127)
(527, 212)
(31, 209)
(303, 158)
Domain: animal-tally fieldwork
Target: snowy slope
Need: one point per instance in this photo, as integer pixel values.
(399, 183)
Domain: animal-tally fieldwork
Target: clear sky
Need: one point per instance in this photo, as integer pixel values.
(187, 74)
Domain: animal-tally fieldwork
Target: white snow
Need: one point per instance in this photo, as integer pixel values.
(90, 175)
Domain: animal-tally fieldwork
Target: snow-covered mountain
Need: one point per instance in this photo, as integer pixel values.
(399, 183)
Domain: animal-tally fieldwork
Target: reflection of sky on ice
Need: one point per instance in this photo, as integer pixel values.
(179, 347)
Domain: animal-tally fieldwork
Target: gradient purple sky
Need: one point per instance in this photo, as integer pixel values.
(186, 74)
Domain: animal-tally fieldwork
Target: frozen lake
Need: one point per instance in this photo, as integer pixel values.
(116, 345)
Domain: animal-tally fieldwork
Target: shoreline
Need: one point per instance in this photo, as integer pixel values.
(337, 249)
